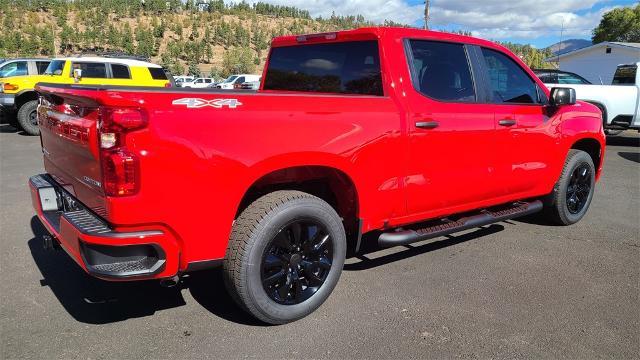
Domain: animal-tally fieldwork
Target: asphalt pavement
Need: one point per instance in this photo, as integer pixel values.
(517, 289)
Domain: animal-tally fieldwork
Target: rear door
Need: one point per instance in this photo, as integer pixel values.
(524, 147)
(452, 136)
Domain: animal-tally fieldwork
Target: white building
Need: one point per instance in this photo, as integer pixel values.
(597, 63)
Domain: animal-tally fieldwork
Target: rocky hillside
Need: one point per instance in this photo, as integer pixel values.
(216, 41)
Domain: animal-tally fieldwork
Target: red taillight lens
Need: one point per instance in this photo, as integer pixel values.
(120, 166)
(167, 85)
(120, 172)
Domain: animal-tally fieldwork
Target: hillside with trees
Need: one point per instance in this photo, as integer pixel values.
(186, 38)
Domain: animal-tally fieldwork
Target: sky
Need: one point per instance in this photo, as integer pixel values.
(535, 22)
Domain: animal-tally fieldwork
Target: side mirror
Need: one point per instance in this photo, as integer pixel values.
(563, 96)
(77, 75)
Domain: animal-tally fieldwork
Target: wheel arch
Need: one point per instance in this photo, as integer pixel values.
(329, 183)
(592, 147)
(24, 97)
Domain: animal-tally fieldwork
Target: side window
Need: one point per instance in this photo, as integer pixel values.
(509, 83)
(91, 70)
(119, 71)
(42, 66)
(547, 77)
(199, 81)
(566, 78)
(441, 71)
(207, 81)
(239, 80)
(16, 68)
(159, 74)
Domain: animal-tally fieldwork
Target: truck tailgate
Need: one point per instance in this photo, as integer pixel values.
(69, 137)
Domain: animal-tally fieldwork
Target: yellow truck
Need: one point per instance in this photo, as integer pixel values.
(17, 92)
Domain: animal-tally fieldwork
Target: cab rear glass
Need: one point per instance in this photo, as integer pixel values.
(341, 68)
(625, 75)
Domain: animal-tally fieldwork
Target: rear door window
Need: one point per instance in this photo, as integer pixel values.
(508, 81)
(342, 68)
(441, 71)
(42, 66)
(91, 70)
(119, 71)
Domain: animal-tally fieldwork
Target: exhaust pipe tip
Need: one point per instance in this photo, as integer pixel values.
(170, 282)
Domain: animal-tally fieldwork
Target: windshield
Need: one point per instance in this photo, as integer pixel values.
(230, 79)
(55, 68)
(625, 75)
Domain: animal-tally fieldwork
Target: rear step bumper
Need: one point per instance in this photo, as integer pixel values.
(444, 226)
(93, 244)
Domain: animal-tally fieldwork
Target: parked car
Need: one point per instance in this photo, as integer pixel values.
(252, 85)
(233, 80)
(17, 93)
(619, 102)
(436, 134)
(198, 83)
(179, 80)
(22, 67)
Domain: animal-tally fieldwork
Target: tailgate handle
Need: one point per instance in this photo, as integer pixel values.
(506, 122)
(427, 124)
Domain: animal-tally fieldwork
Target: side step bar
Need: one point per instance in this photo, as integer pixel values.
(445, 226)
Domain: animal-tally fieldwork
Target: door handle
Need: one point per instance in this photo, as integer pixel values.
(427, 124)
(506, 122)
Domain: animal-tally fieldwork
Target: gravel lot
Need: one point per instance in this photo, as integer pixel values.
(511, 290)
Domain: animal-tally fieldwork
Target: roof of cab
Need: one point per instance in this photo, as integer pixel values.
(110, 60)
(370, 33)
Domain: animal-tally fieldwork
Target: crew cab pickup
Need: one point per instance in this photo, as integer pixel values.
(402, 133)
(618, 102)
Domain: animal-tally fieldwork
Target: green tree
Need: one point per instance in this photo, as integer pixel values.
(238, 61)
(621, 24)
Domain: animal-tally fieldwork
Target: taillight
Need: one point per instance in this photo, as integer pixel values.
(167, 85)
(120, 166)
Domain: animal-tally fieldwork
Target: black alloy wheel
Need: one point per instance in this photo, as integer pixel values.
(296, 262)
(579, 188)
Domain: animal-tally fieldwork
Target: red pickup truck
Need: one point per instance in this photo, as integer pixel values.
(410, 133)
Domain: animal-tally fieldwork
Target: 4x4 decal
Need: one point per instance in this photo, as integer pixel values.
(195, 103)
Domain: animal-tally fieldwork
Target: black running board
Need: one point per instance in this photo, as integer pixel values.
(446, 226)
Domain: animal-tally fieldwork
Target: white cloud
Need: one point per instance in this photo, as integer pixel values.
(494, 19)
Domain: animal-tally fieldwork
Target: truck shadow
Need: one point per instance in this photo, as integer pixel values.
(94, 301)
(370, 245)
(631, 156)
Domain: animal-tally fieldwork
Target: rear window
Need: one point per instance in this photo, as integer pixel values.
(344, 68)
(158, 73)
(441, 71)
(119, 71)
(625, 75)
(91, 70)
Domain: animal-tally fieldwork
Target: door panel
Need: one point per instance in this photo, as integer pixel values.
(451, 137)
(521, 137)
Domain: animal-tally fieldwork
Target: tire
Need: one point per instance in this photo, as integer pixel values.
(569, 199)
(27, 117)
(260, 249)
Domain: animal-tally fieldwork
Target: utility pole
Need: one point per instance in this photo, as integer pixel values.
(560, 43)
(426, 14)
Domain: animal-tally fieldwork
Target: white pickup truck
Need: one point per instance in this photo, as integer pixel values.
(619, 102)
